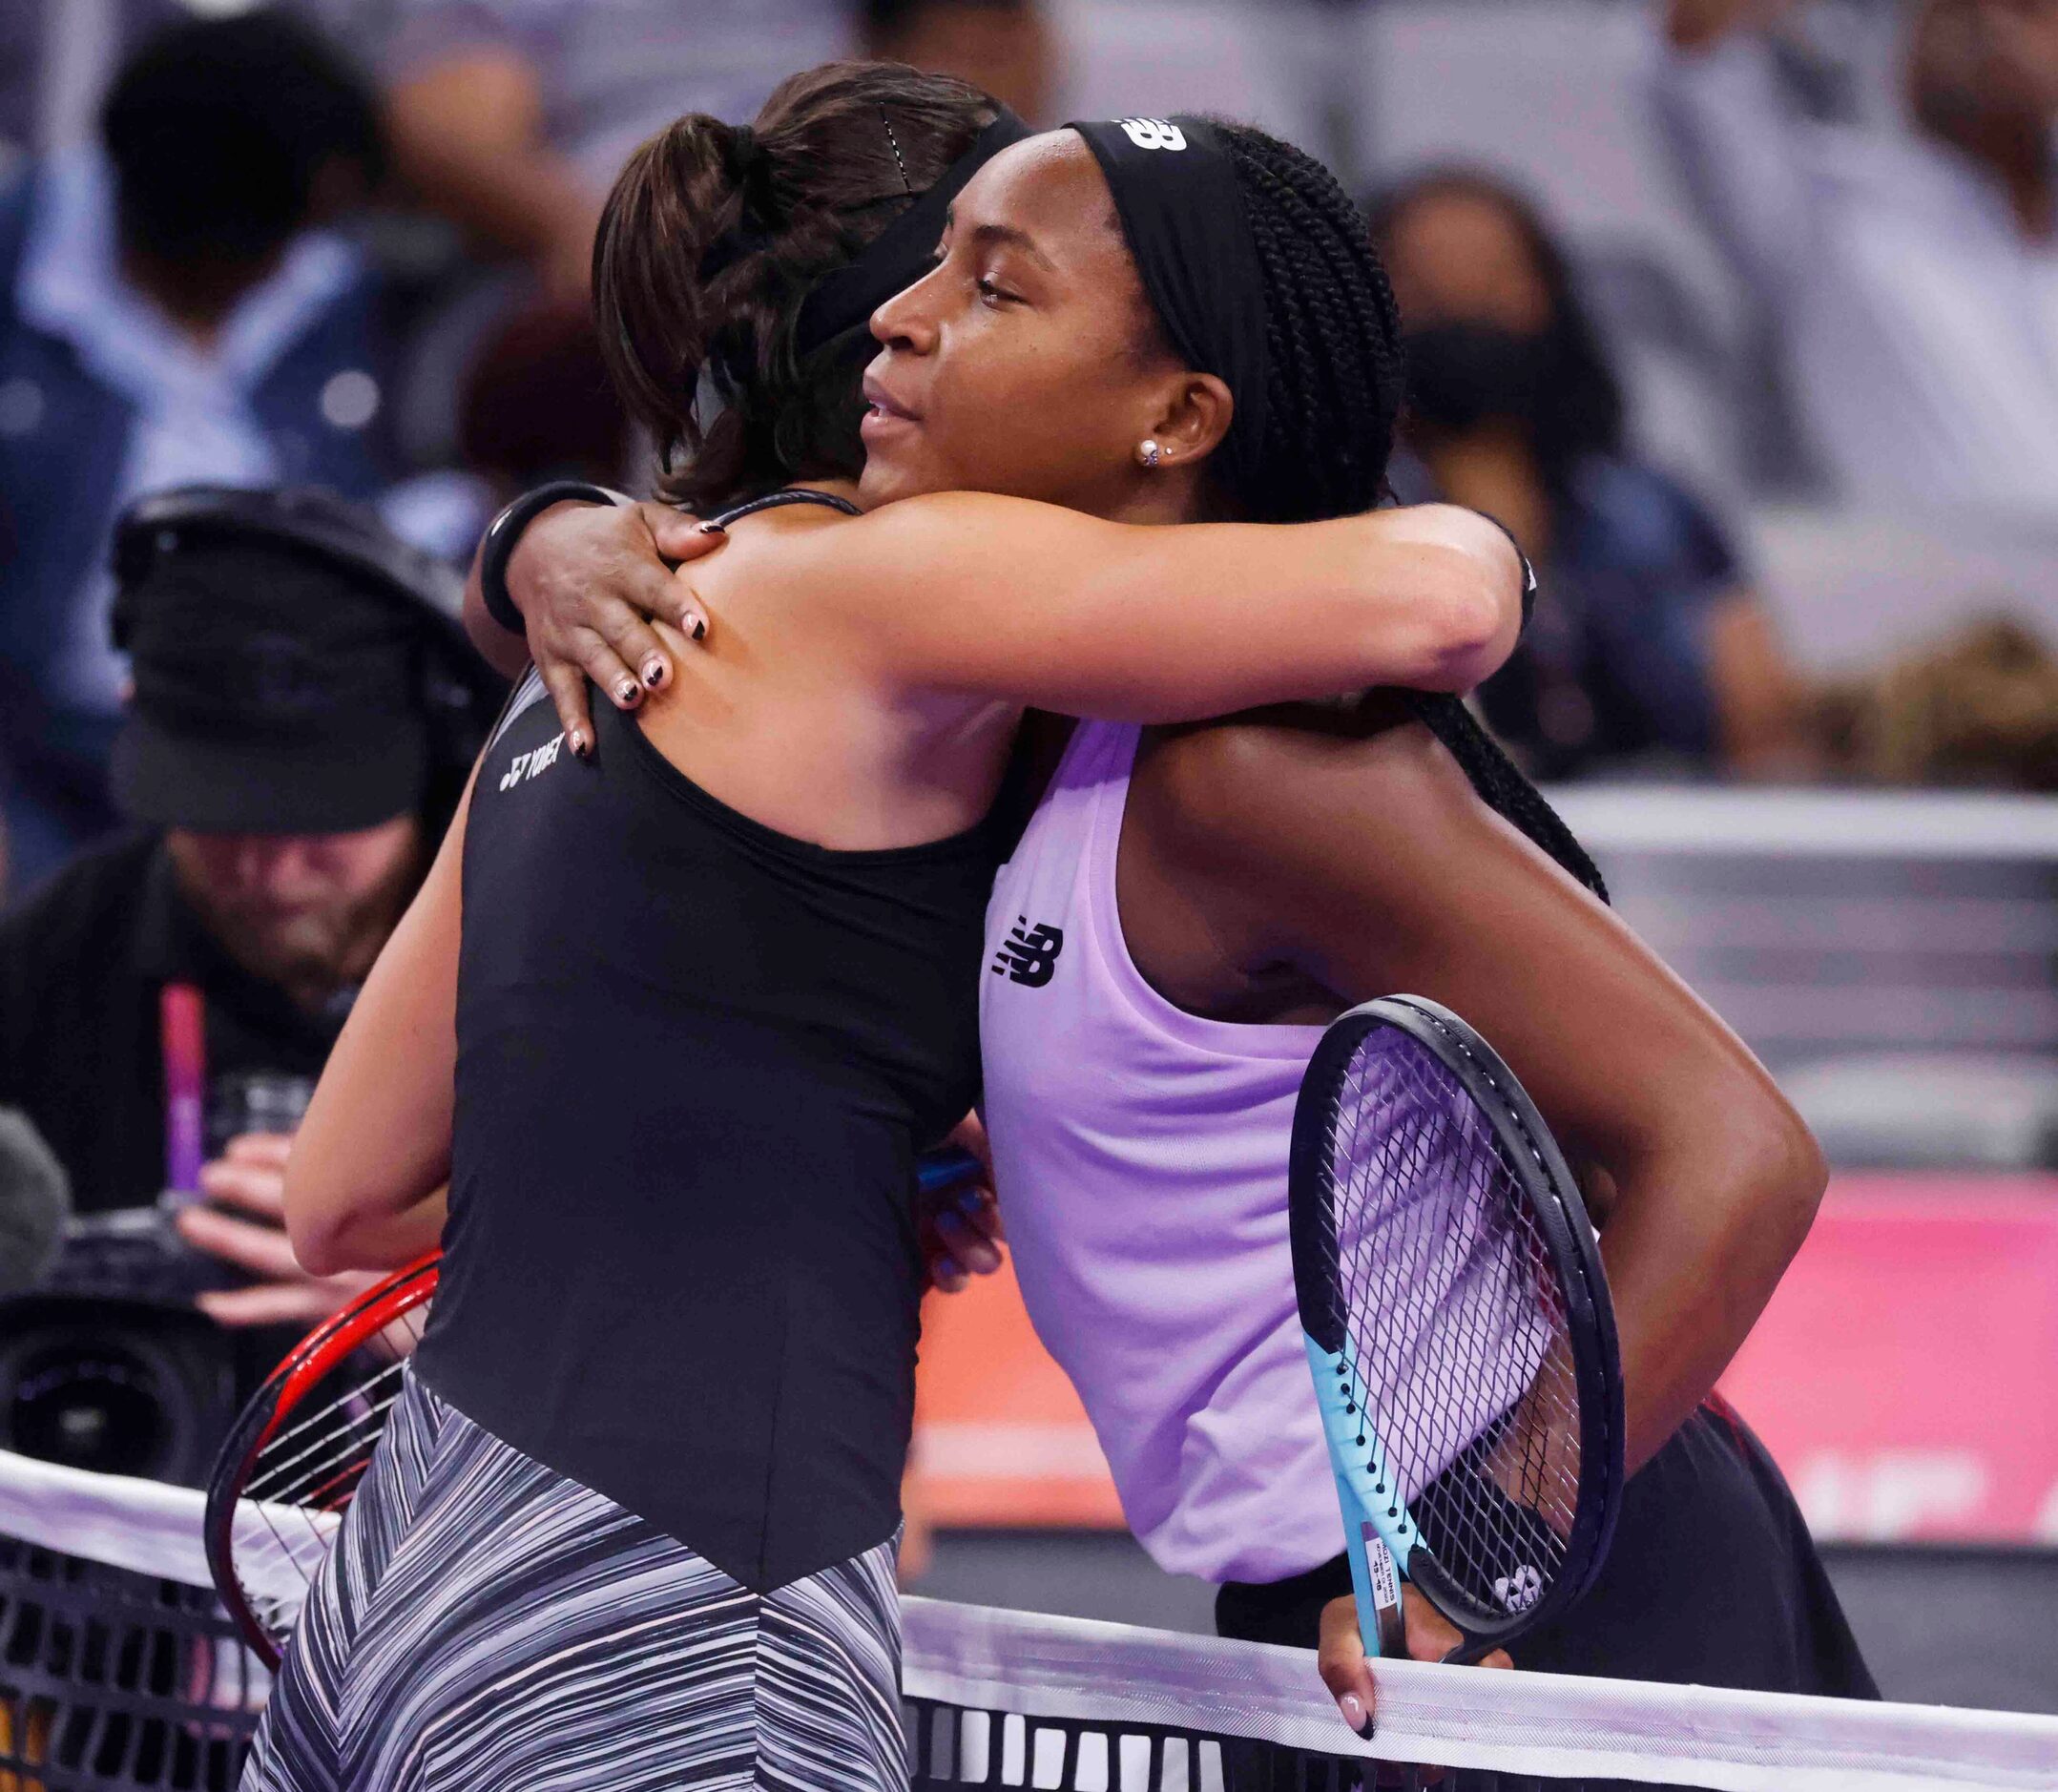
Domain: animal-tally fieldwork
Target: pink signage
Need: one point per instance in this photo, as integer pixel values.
(1905, 1375)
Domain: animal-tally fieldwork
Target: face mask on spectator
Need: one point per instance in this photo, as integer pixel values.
(1462, 375)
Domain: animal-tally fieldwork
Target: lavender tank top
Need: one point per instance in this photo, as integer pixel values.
(1141, 1158)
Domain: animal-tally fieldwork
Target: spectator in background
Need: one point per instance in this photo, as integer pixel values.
(172, 308)
(1911, 277)
(1001, 47)
(56, 57)
(510, 117)
(1647, 642)
(1977, 707)
(303, 722)
(538, 405)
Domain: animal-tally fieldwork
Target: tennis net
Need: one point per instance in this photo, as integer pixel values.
(117, 1670)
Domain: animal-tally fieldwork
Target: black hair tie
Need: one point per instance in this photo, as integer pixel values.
(751, 168)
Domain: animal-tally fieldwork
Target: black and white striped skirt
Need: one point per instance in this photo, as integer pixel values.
(486, 1623)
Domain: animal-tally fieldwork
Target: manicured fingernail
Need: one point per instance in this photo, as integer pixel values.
(579, 748)
(627, 692)
(712, 528)
(1354, 1714)
(692, 623)
(654, 673)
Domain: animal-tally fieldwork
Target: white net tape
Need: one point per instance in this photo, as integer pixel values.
(1113, 1676)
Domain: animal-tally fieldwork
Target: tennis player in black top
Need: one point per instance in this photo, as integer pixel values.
(1276, 868)
(632, 1524)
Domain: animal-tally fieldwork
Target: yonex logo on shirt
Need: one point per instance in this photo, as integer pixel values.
(1030, 954)
(1154, 133)
(528, 765)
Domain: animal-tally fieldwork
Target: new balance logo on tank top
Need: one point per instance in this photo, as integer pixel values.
(1141, 1158)
(1030, 954)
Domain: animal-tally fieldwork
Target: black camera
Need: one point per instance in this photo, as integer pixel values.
(107, 1365)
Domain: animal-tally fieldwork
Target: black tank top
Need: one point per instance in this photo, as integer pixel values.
(697, 1059)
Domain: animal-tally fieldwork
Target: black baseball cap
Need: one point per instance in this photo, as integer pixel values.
(277, 688)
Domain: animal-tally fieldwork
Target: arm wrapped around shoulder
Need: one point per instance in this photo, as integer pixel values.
(976, 593)
(1468, 580)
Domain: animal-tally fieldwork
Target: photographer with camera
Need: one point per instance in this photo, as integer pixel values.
(304, 713)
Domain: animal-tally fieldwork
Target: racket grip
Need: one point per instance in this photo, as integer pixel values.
(1375, 1580)
(938, 1172)
(1378, 1532)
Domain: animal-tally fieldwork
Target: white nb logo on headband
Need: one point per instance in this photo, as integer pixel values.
(1154, 133)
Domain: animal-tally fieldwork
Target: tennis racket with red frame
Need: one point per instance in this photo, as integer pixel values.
(292, 1465)
(290, 1468)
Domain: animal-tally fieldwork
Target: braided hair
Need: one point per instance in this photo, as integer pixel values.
(1336, 383)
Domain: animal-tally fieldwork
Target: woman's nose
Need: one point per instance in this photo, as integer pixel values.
(907, 320)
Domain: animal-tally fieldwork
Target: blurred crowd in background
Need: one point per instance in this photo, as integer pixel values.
(1743, 315)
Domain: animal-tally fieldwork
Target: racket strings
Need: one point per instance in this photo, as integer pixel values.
(1457, 1322)
(304, 1476)
(309, 1448)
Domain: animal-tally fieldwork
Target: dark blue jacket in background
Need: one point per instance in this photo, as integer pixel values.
(64, 440)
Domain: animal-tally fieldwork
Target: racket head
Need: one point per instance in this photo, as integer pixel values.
(1442, 1249)
(291, 1463)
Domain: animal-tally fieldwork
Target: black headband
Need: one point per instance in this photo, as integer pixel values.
(846, 299)
(1183, 214)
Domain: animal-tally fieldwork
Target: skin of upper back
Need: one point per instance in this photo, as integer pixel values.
(773, 715)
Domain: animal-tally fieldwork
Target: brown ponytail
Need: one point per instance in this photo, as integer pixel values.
(714, 236)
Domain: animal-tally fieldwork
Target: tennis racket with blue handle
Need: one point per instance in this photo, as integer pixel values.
(1458, 1325)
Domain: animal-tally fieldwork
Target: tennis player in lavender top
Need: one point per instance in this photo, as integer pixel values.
(1185, 911)
(1188, 907)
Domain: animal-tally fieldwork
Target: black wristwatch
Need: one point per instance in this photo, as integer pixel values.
(497, 545)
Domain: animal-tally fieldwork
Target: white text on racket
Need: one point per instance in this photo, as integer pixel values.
(1519, 1591)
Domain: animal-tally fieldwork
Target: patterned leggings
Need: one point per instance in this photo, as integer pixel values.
(486, 1623)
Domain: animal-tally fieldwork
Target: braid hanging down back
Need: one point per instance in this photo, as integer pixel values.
(1500, 781)
(1334, 334)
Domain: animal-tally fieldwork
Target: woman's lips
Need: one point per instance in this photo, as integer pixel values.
(883, 413)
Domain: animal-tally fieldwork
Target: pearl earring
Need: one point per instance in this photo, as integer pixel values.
(1147, 451)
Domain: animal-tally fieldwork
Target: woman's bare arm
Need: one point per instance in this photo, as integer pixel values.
(1370, 865)
(997, 597)
(1001, 596)
(371, 1163)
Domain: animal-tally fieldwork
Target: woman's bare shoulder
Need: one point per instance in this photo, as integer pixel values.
(1268, 771)
(866, 577)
